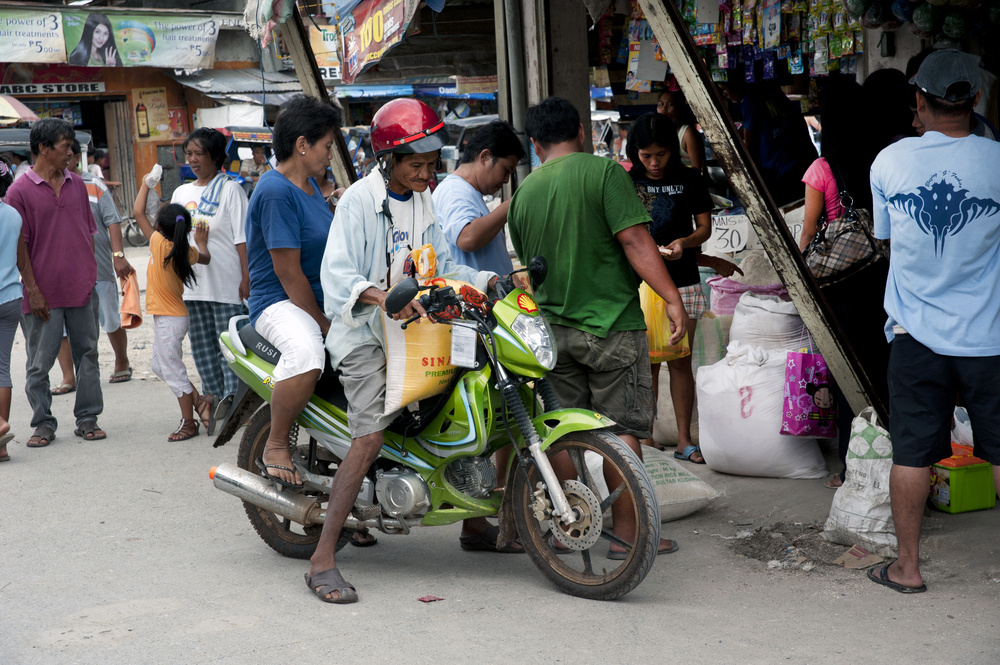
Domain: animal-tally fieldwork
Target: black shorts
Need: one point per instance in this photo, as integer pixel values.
(922, 390)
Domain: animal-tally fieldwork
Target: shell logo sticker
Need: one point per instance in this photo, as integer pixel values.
(525, 302)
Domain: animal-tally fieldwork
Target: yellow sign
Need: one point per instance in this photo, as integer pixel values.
(525, 302)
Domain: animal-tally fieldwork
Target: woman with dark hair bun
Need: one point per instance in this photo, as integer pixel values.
(10, 299)
(679, 204)
(97, 46)
(287, 225)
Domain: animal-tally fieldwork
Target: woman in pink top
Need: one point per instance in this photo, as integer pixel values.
(849, 145)
(845, 143)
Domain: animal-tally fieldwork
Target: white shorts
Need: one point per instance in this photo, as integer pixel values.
(107, 311)
(296, 334)
(168, 353)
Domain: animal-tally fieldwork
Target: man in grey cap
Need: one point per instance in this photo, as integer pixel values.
(937, 198)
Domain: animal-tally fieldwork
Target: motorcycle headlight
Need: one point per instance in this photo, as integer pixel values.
(534, 331)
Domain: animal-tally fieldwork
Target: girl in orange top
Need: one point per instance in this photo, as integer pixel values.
(169, 270)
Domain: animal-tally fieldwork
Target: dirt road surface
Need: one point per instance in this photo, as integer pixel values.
(121, 551)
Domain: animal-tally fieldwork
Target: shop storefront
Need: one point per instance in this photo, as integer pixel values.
(107, 73)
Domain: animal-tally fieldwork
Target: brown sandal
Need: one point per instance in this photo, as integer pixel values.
(188, 429)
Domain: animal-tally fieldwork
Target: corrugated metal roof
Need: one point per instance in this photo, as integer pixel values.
(226, 82)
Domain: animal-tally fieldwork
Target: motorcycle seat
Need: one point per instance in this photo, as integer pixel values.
(328, 388)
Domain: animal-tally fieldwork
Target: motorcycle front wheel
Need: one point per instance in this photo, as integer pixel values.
(284, 536)
(575, 558)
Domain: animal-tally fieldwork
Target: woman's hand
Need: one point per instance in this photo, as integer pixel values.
(674, 251)
(110, 56)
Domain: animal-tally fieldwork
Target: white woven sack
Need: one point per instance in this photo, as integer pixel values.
(740, 400)
(769, 322)
(678, 491)
(861, 513)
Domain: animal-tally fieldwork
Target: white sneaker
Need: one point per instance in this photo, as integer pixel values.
(153, 176)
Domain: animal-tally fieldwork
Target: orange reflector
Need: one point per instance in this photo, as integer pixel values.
(211, 473)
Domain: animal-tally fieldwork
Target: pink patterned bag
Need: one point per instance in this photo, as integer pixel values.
(810, 406)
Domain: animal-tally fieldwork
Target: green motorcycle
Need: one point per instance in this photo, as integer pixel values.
(436, 468)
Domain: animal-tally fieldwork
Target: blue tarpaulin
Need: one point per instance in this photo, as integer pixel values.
(374, 91)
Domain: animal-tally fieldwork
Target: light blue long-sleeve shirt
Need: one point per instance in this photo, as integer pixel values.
(355, 260)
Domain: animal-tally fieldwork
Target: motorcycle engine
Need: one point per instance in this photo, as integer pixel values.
(474, 476)
(402, 493)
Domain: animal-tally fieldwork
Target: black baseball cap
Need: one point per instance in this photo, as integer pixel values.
(948, 74)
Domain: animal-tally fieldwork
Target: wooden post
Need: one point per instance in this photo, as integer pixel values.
(693, 76)
(297, 41)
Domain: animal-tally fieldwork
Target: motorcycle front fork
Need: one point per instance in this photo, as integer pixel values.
(561, 509)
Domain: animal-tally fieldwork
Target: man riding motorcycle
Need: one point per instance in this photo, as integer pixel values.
(379, 220)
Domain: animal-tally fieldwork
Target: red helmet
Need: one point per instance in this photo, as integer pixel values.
(406, 126)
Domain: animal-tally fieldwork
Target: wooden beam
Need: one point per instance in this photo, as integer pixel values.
(297, 41)
(693, 76)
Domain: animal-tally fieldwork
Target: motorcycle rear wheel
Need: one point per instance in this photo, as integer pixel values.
(584, 570)
(284, 536)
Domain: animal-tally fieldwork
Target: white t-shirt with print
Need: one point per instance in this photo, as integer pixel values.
(402, 234)
(219, 281)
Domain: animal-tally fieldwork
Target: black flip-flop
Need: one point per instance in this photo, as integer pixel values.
(329, 581)
(86, 431)
(486, 541)
(882, 577)
(363, 543)
(621, 556)
(46, 434)
(274, 479)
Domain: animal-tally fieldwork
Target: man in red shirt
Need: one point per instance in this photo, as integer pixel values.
(59, 272)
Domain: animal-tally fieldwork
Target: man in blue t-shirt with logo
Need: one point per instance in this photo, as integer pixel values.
(937, 199)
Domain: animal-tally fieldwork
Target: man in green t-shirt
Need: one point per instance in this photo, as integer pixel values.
(581, 213)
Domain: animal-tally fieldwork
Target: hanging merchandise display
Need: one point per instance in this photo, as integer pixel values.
(757, 39)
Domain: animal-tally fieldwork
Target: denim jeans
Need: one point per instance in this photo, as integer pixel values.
(42, 342)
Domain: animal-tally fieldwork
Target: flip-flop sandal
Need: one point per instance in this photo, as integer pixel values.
(486, 541)
(4, 440)
(363, 543)
(46, 434)
(327, 582)
(88, 429)
(62, 389)
(687, 452)
(203, 407)
(880, 575)
(621, 556)
(188, 429)
(121, 377)
(274, 479)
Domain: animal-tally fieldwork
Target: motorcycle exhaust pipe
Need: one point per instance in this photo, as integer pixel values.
(260, 492)
(299, 508)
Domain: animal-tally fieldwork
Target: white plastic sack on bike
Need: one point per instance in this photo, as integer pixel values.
(767, 321)
(678, 491)
(418, 359)
(861, 513)
(739, 412)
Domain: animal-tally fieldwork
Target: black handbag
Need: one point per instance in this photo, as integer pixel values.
(846, 245)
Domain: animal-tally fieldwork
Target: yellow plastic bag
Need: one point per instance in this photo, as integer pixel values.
(654, 309)
(418, 359)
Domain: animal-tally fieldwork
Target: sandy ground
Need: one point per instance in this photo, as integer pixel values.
(121, 551)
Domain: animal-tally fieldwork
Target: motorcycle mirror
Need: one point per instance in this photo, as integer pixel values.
(538, 267)
(401, 295)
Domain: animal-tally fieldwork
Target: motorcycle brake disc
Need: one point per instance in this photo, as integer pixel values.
(583, 533)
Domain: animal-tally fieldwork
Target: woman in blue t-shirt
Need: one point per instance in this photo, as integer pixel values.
(10, 299)
(288, 220)
(678, 202)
